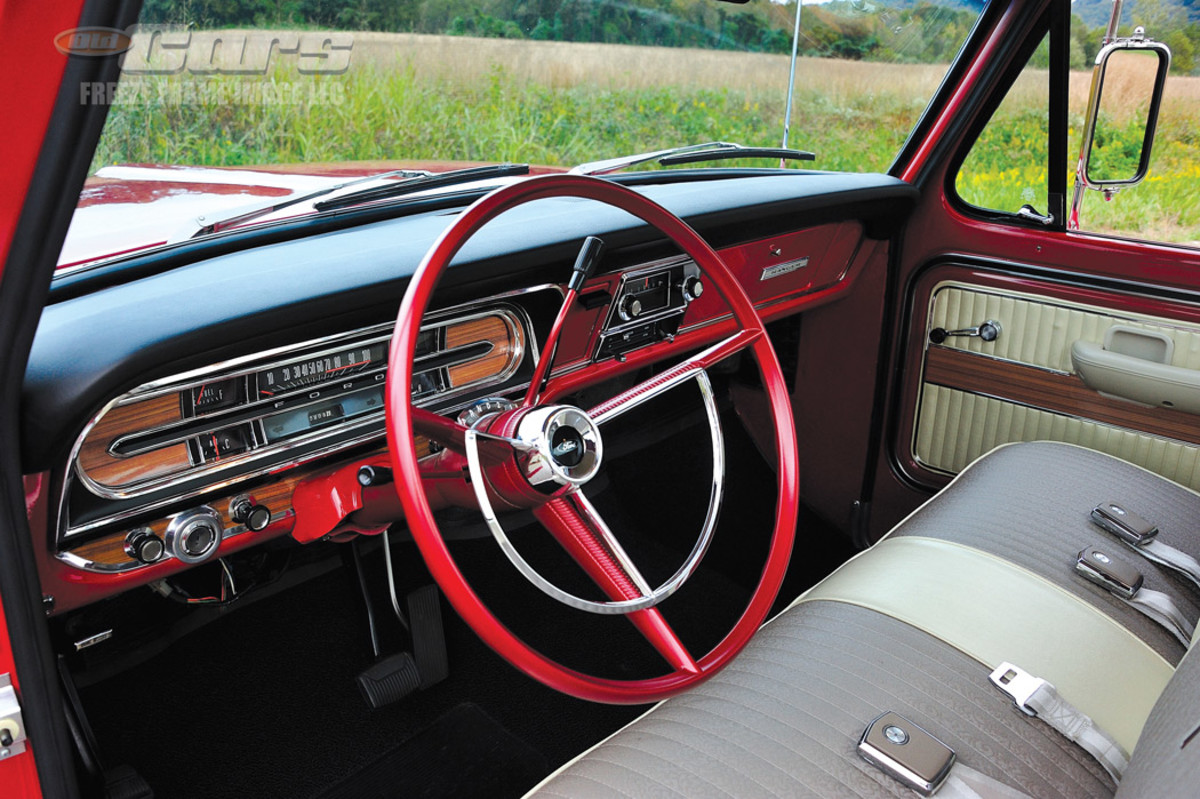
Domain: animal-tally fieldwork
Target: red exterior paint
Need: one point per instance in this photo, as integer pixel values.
(408, 472)
(27, 32)
(129, 207)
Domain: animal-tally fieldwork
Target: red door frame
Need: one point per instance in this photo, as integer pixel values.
(941, 228)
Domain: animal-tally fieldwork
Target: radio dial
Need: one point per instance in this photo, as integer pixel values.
(692, 288)
(630, 308)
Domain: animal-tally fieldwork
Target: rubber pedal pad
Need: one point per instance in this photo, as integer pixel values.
(428, 635)
(389, 680)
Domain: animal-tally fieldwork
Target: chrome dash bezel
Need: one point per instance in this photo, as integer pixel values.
(275, 457)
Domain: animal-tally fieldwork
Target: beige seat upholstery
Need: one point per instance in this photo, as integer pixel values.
(784, 718)
(1030, 504)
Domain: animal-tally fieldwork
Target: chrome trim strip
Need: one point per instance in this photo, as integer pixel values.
(75, 561)
(65, 531)
(228, 417)
(513, 317)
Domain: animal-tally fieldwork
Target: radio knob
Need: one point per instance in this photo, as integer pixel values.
(630, 308)
(243, 510)
(144, 546)
(692, 288)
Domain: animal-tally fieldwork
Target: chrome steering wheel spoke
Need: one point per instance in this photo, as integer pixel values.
(690, 369)
(594, 541)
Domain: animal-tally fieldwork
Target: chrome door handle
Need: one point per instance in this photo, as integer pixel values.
(988, 331)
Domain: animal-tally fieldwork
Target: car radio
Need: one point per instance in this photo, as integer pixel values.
(649, 306)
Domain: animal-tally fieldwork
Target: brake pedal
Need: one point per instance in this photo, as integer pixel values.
(389, 680)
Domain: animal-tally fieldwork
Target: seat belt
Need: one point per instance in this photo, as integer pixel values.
(1142, 537)
(1125, 583)
(1036, 697)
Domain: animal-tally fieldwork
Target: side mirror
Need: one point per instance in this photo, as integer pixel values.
(1122, 115)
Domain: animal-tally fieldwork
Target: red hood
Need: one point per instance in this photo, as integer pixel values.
(130, 207)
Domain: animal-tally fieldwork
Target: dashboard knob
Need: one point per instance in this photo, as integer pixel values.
(692, 288)
(630, 308)
(144, 546)
(369, 475)
(194, 535)
(243, 510)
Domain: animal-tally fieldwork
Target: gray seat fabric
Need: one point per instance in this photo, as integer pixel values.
(784, 718)
(1167, 759)
(1031, 503)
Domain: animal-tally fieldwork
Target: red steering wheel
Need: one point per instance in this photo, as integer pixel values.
(540, 454)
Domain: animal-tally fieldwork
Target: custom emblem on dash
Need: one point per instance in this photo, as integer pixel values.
(783, 269)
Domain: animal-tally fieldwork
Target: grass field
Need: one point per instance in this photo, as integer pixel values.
(408, 96)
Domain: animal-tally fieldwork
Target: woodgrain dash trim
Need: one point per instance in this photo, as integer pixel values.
(109, 470)
(1051, 391)
(109, 550)
(507, 345)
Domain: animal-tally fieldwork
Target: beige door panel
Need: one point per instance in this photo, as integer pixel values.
(976, 395)
(1039, 332)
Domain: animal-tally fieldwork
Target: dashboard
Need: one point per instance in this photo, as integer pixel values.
(164, 428)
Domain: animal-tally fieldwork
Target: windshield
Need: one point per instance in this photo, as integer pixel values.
(286, 99)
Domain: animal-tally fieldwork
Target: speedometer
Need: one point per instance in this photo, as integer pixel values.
(317, 370)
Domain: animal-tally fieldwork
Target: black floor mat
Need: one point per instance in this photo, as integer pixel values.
(464, 754)
(263, 701)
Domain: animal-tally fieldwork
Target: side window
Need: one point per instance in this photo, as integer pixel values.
(1006, 168)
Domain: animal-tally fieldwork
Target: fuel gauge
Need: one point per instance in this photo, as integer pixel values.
(218, 395)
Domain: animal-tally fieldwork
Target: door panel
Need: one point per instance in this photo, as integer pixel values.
(973, 395)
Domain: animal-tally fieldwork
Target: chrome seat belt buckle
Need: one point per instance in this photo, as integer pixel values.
(1106, 571)
(1124, 523)
(1019, 684)
(906, 752)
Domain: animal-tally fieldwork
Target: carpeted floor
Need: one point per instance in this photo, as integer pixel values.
(263, 701)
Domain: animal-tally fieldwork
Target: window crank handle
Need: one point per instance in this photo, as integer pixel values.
(988, 331)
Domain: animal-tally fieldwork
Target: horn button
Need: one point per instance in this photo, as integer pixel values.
(564, 446)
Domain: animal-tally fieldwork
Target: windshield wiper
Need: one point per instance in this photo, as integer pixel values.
(783, 154)
(423, 183)
(692, 153)
(241, 217)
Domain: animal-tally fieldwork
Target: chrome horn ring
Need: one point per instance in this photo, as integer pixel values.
(650, 598)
